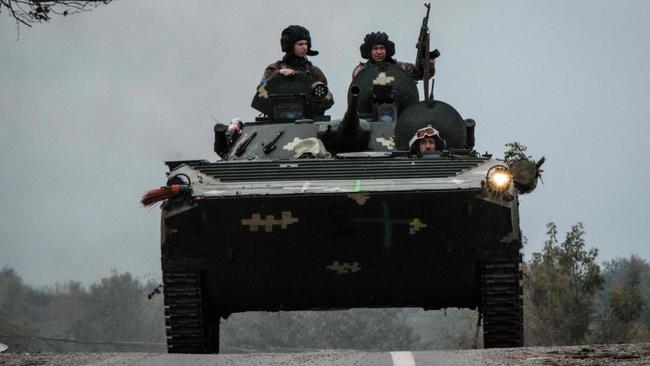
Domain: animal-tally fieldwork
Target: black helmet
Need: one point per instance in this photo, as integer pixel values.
(374, 38)
(293, 34)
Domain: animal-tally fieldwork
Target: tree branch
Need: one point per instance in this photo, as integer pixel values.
(28, 12)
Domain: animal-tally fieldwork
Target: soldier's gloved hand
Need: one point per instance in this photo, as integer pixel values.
(287, 72)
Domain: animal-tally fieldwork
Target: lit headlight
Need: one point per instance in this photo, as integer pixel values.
(498, 178)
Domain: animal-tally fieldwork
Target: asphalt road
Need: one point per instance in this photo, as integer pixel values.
(626, 354)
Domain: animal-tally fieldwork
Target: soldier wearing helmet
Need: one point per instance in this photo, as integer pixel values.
(426, 140)
(296, 44)
(376, 48)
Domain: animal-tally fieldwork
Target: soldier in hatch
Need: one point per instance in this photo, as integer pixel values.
(426, 140)
(376, 48)
(296, 43)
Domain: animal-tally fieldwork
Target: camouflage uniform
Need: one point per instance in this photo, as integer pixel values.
(299, 65)
(409, 68)
(381, 38)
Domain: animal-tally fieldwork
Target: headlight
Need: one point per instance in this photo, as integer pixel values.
(498, 178)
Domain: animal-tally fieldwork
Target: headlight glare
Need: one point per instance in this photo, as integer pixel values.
(498, 178)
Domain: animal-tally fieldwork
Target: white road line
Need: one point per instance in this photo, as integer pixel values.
(402, 358)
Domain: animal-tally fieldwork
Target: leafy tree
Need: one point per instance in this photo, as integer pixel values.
(111, 313)
(117, 309)
(561, 284)
(366, 329)
(27, 12)
(12, 294)
(13, 315)
(516, 151)
(624, 301)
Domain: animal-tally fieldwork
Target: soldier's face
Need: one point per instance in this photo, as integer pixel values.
(378, 52)
(300, 48)
(427, 144)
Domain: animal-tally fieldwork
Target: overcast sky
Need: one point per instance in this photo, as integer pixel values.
(92, 104)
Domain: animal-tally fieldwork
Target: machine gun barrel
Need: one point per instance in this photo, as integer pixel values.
(350, 124)
(422, 45)
(424, 58)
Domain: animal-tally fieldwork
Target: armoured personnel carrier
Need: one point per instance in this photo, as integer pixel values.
(302, 212)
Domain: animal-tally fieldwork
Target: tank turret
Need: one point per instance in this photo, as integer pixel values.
(299, 96)
(457, 133)
(385, 91)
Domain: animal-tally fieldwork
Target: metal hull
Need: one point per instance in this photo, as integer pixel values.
(249, 244)
(340, 250)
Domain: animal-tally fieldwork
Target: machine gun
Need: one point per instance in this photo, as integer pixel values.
(423, 60)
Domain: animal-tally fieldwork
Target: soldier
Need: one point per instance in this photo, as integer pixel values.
(426, 140)
(376, 47)
(296, 43)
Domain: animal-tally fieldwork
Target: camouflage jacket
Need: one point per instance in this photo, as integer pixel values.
(409, 68)
(273, 69)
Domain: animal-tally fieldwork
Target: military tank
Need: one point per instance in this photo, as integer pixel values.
(304, 212)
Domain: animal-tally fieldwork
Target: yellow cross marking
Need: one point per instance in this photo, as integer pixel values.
(359, 198)
(256, 221)
(382, 79)
(415, 225)
(341, 268)
(287, 219)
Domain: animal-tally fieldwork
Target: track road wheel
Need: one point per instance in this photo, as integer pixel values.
(502, 304)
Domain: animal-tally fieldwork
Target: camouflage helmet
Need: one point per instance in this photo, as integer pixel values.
(374, 38)
(293, 34)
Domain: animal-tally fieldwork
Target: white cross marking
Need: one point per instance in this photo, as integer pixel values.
(291, 145)
(389, 143)
(382, 79)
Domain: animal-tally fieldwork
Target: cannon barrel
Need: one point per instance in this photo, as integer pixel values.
(350, 124)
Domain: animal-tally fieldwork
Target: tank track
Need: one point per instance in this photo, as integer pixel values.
(186, 327)
(502, 304)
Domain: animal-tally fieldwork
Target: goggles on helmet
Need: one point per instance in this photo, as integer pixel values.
(422, 133)
(426, 132)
